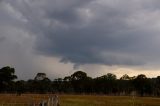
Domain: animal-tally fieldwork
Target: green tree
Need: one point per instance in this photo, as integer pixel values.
(106, 84)
(109, 76)
(78, 80)
(125, 86)
(156, 86)
(58, 85)
(67, 85)
(6, 77)
(125, 77)
(79, 75)
(20, 86)
(142, 84)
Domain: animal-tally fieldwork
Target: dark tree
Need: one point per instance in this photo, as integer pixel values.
(40, 76)
(79, 75)
(125, 77)
(20, 87)
(58, 85)
(125, 86)
(80, 83)
(6, 77)
(106, 84)
(67, 85)
(142, 84)
(78, 80)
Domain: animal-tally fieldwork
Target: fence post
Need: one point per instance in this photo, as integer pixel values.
(48, 102)
(55, 100)
(42, 103)
(33, 104)
(51, 101)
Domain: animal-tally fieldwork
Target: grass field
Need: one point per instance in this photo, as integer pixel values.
(23, 100)
(79, 100)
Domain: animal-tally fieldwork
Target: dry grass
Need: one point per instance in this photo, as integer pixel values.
(23, 100)
(86, 100)
(79, 100)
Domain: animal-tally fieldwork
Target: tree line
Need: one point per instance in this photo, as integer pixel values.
(80, 83)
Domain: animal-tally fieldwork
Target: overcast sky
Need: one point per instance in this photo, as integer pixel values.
(59, 37)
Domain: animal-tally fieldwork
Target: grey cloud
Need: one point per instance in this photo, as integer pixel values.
(2, 39)
(86, 31)
(109, 33)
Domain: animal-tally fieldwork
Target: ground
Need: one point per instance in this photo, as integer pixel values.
(79, 100)
(90, 100)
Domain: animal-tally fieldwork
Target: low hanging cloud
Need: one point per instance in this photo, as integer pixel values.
(102, 32)
(79, 32)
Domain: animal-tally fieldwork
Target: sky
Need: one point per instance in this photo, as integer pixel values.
(59, 37)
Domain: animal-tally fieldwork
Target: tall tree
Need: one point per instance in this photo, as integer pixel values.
(6, 77)
(106, 84)
(125, 77)
(79, 75)
(78, 81)
(142, 84)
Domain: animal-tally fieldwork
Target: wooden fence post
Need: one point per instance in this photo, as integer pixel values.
(48, 102)
(51, 101)
(42, 103)
(55, 100)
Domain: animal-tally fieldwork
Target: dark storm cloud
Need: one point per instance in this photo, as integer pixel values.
(111, 33)
(101, 41)
(2, 39)
(89, 31)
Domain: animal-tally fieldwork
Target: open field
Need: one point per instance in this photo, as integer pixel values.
(79, 100)
(26, 99)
